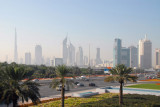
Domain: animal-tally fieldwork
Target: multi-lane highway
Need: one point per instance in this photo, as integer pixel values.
(45, 91)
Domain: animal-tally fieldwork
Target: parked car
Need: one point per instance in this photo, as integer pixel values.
(92, 84)
(80, 84)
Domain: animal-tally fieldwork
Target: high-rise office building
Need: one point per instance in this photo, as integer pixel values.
(98, 59)
(117, 52)
(125, 56)
(38, 55)
(65, 51)
(15, 49)
(145, 53)
(133, 56)
(79, 57)
(28, 58)
(71, 55)
(157, 58)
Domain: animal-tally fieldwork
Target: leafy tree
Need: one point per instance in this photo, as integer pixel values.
(62, 72)
(75, 70)
(12, 88)
(120, 73)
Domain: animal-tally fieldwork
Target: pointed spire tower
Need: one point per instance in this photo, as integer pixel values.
(15, 48)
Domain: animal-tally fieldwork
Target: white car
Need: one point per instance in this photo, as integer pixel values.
(58, 88)
(35, 80)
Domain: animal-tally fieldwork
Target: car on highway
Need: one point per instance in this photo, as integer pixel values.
(35, 80)
(86, 79)
(92, 84)
(76, 82)
(58, 88)
(80, 84)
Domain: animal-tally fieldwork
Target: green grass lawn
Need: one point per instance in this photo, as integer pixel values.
(145, 86)
(108, 100)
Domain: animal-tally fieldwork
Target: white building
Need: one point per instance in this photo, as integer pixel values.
(71, 55)
(65, 51)
(145, 54)
(38, 55)
(28, 58)
(157, 58)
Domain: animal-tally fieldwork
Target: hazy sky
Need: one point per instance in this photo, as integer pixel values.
(94, 22)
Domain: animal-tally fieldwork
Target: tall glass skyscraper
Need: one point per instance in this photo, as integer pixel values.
(125, 56)
(65, 51)
(15, 48)
(98, 58)
(38, 55)
(117, 52)
(79, 57)
(133, 56)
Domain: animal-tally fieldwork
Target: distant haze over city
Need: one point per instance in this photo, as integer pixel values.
(84, 22)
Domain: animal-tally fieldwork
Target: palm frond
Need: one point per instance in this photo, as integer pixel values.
(109, 79)
(132, 78)
(55, 83)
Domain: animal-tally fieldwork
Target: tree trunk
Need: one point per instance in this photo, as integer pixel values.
(62, 95)
(15, 103)
(121, 94)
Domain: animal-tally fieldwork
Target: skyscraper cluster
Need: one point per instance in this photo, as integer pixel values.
(68, 53)
(78, 59)
(28, 60)
(132, 56)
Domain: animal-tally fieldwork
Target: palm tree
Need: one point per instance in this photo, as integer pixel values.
(12, 88)
(120, 73)
(61, 71)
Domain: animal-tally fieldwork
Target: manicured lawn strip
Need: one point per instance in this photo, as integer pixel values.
(145, 86)
(108, 100)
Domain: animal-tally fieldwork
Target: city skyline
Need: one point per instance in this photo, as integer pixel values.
(97, 24)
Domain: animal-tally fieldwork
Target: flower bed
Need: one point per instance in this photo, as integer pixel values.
(157, 83)
(151, 80)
